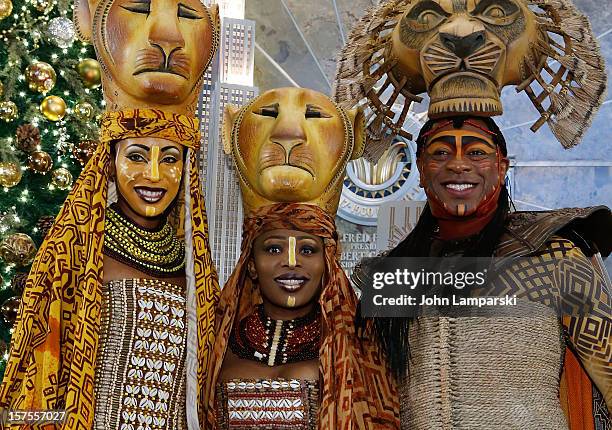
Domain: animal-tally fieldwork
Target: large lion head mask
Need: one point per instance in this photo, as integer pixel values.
(462, 53)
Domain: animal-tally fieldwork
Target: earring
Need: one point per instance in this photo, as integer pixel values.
(251, 271)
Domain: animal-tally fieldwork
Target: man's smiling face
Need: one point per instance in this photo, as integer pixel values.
(462, 167)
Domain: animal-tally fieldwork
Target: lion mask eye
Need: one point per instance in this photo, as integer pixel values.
(495, 11)
(426, 15)
(269, 111)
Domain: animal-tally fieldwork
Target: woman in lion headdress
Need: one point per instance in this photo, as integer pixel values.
(287, 354)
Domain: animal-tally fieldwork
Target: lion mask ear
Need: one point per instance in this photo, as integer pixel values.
(82, 18)
(230, 114)
(216, 17)
(357, 119)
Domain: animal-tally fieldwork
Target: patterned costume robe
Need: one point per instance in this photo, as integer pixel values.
(519, 371)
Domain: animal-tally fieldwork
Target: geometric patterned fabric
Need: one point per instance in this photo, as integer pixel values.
(52, 360)
(274, 404)
(536, 262)
(498, 368)
(140, 374)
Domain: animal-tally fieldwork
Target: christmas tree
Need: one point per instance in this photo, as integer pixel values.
(49, 101)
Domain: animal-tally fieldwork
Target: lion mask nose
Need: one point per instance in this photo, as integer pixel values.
(463, 46)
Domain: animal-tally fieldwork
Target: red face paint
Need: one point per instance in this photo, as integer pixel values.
(462, 171)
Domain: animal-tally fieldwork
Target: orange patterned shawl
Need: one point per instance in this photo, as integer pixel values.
(358, 391)
(53, 349)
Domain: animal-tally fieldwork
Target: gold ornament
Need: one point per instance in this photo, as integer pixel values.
(6, 7)
(62, 178)
(53, 108)
(8, 110)
(43, 6)
(83, 111)
(40, 162)
(41, 77)
(10, 310)
(10, 174)
(18, 249)
(89, 70)
(84, 150)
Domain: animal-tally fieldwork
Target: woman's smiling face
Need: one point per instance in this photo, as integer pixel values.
(148, 173)
(289, 266)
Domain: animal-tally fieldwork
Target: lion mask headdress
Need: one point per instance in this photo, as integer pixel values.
(462, 53)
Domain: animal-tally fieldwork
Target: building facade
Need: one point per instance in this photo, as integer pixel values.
(228, 81)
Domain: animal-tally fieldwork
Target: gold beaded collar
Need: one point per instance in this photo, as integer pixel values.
(155, 252)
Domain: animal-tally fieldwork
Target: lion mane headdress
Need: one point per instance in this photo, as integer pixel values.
(462, 53)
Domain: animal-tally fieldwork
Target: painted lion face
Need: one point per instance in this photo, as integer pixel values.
(462, 52)
(153, 52)
(292, 145)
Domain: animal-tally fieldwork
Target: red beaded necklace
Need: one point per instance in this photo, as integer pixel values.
(276, 342)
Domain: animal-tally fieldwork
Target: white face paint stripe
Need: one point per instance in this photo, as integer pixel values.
(292, 242)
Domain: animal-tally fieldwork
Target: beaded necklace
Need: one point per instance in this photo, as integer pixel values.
(155, 252)
(275, 342)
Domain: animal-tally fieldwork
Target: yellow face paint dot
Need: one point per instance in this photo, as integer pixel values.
(150, 211)
(155, 163)
(291, 301)
(292, 242)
